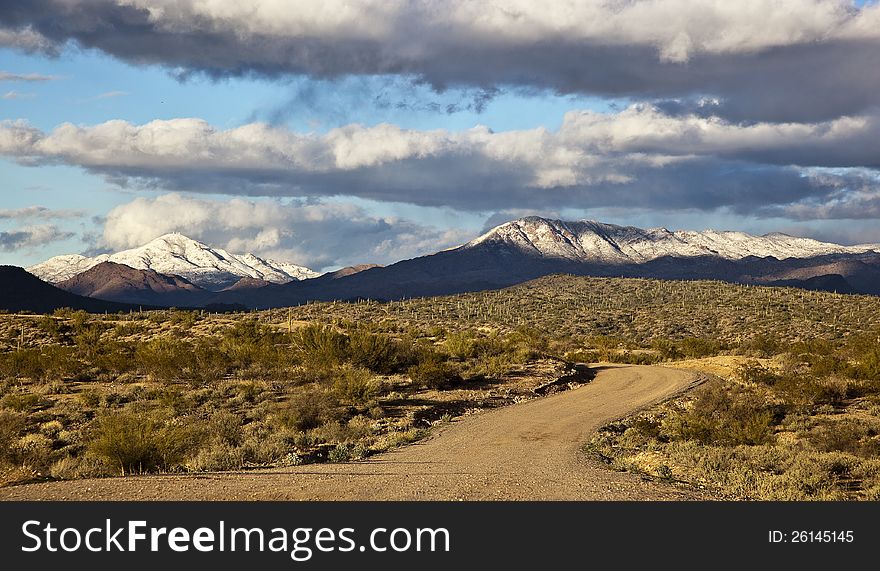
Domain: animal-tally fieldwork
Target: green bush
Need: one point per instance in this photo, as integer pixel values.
(167, 359)
(354, 385)
(137, 442)
(11, 426)
(754, 372)
(320, 345)
(433, 374)
(694, 347)
(723, 415)
(805, 391)
(667, 348)
(461, 345)
(376, 352)
(21, 402)
(850, 436)
(51, 362)
(308, 408)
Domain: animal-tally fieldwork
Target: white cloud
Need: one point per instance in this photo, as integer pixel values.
(638, 156)
(315, 234)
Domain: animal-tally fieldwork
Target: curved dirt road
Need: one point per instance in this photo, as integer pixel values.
(528, 451)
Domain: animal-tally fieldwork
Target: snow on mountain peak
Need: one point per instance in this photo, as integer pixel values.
(176, 254)
(591, 241)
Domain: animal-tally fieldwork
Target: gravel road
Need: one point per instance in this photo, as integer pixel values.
(527, 451)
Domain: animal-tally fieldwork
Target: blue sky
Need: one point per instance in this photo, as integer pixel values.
(624, 154)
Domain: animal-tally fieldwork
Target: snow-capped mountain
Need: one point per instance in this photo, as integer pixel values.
(590, 241)
(175, 254)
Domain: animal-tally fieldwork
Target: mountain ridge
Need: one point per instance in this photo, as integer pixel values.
(175, 254)
(592, 241)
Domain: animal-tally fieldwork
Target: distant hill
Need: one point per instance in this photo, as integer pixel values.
(117, 282)
(830, 282)
(22, 291)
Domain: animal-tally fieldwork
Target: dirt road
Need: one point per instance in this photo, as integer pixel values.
(528, 451)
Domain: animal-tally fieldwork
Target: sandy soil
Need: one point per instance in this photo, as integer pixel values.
(528, 451)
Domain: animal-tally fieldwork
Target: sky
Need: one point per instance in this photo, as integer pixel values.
(348, 132)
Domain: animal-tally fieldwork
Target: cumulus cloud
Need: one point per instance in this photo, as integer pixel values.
(29, 237)
(638, 157)
(767, 59)
(315, 234)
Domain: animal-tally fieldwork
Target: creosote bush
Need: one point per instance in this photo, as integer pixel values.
(137, 442)
(726, 415)
(308, 408)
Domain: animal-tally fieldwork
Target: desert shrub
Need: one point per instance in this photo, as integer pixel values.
(754, 372)
(763, 345)
(88, 339)
(494, 366)
(695, 347)
(53, 361)
(130, 328)
(252, 349)
(354, 385)
(433, 374)
(141, 441)
(725, 415)
(647, 427)
(667, 348)
(50, 326)
(320, 345)
(69, 467)
(211, 363)
(33, 450)
(11, 425)
(528, 341)
(91, 398)
(868, 366)
(341, 453)
(850, 436)
(78, 319)
(376, 352)
(164, 358)
(461, 345)
(183, 318)
(583, 356)
(224, 426)
(21, 402)
(308, 408)
(806, 391)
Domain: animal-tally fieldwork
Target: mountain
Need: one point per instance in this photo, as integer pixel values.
(532, 247)
(22, 291)
(590, 241)
(117, 282)
(174, 254)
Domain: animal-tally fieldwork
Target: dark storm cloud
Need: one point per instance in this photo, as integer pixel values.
(794, 60)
